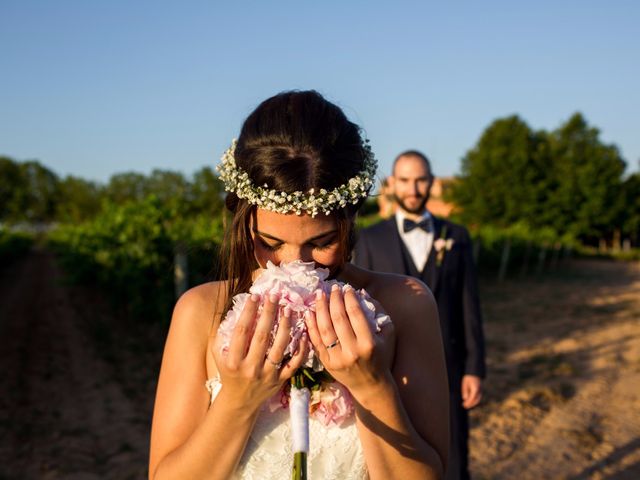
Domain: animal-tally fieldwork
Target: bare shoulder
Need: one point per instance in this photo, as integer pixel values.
(405, 298)
(194, 316)
(199, 306)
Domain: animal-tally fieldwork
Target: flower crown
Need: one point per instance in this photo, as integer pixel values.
(237, 180)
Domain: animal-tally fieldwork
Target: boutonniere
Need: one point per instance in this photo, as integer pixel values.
(442, 245)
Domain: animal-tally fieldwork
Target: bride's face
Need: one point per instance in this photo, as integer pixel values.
(278, 237)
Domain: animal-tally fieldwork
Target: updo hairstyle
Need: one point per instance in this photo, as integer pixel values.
(293, 141)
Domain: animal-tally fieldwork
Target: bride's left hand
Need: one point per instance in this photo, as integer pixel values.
(348, 347)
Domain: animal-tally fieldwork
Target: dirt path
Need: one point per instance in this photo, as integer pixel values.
(65, 411)
(563, 397)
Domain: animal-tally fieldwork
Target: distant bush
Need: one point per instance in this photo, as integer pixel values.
(13, 245)
(128, 250)
(528, 248)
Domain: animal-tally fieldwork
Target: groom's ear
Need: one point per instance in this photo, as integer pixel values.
(391, 183)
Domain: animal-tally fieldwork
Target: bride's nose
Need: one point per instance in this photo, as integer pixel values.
(295, 252)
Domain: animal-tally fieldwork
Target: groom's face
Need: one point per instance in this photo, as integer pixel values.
(411, 182)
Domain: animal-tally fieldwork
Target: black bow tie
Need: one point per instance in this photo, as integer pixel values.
(424, 224)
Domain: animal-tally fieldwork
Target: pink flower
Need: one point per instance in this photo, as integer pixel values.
(333, 404)
(279, 400)
(296, 284)
(226, 327)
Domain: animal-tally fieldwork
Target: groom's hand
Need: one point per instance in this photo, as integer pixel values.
(471, 391)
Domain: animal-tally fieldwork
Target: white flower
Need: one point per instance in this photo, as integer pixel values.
(236, 180)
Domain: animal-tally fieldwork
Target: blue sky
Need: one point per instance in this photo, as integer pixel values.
(94, 88)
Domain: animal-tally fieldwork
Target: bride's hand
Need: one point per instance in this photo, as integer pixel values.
(246, 371)
(353, 353)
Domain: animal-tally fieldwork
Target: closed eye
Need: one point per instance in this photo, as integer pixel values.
(268, 246)
(325, 245)
(277, 246)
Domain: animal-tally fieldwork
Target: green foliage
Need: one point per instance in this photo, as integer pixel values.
(207, 192)
(121, 236)
(566, 180)
(13, 245)
(78, 200)
(363, 221)
(31, 193)
(28, 192)
(588, 178)
(126, 187)
(128, 250)
(503, 178)
(525, 246)
(11, 182)
(629, 215)
(369, 207)
(182, 197)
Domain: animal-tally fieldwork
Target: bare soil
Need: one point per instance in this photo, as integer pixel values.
(562, 398)
(563, 393)
(77, 383)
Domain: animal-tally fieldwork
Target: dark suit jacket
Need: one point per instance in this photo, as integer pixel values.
(453, 284)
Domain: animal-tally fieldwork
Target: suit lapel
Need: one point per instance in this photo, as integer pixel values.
(432, 270)
(395, 248)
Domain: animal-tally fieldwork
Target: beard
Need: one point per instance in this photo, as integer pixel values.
(414, 210)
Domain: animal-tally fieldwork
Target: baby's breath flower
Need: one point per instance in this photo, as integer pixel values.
(237, 180)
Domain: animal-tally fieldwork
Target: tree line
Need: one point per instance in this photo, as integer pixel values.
(32, 193)
(567, 181)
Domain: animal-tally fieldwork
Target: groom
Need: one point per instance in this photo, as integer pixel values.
(438, 252)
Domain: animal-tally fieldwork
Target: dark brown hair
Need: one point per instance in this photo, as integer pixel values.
(291, 142)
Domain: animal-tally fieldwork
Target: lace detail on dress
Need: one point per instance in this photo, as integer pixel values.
(335, 453)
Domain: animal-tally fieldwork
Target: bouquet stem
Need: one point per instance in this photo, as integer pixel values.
(299, 471)
(299, 415)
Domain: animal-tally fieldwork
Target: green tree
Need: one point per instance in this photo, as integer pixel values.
(568, 180)
(12, 189)
(124, 187)
(588, 180)
(630, 212)
(505, 176)
(38, 193)
(171, 188)
(78, 200)
(207, 192)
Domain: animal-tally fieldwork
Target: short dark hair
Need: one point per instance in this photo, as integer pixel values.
(413, 153)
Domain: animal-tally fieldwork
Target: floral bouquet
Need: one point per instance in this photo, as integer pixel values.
(312, 390)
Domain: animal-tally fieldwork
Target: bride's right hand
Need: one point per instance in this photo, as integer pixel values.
(247, 372)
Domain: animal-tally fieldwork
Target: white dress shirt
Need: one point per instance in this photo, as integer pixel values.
(417, 241)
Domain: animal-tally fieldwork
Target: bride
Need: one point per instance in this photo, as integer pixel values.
(299, 142)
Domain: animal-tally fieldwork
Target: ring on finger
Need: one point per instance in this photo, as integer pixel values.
(334, 344)
(275, 364)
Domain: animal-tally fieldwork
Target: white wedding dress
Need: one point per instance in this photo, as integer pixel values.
(335, 453)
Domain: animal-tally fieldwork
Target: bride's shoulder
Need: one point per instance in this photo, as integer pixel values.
(394, 286)
(403, 297)
(200, 305)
